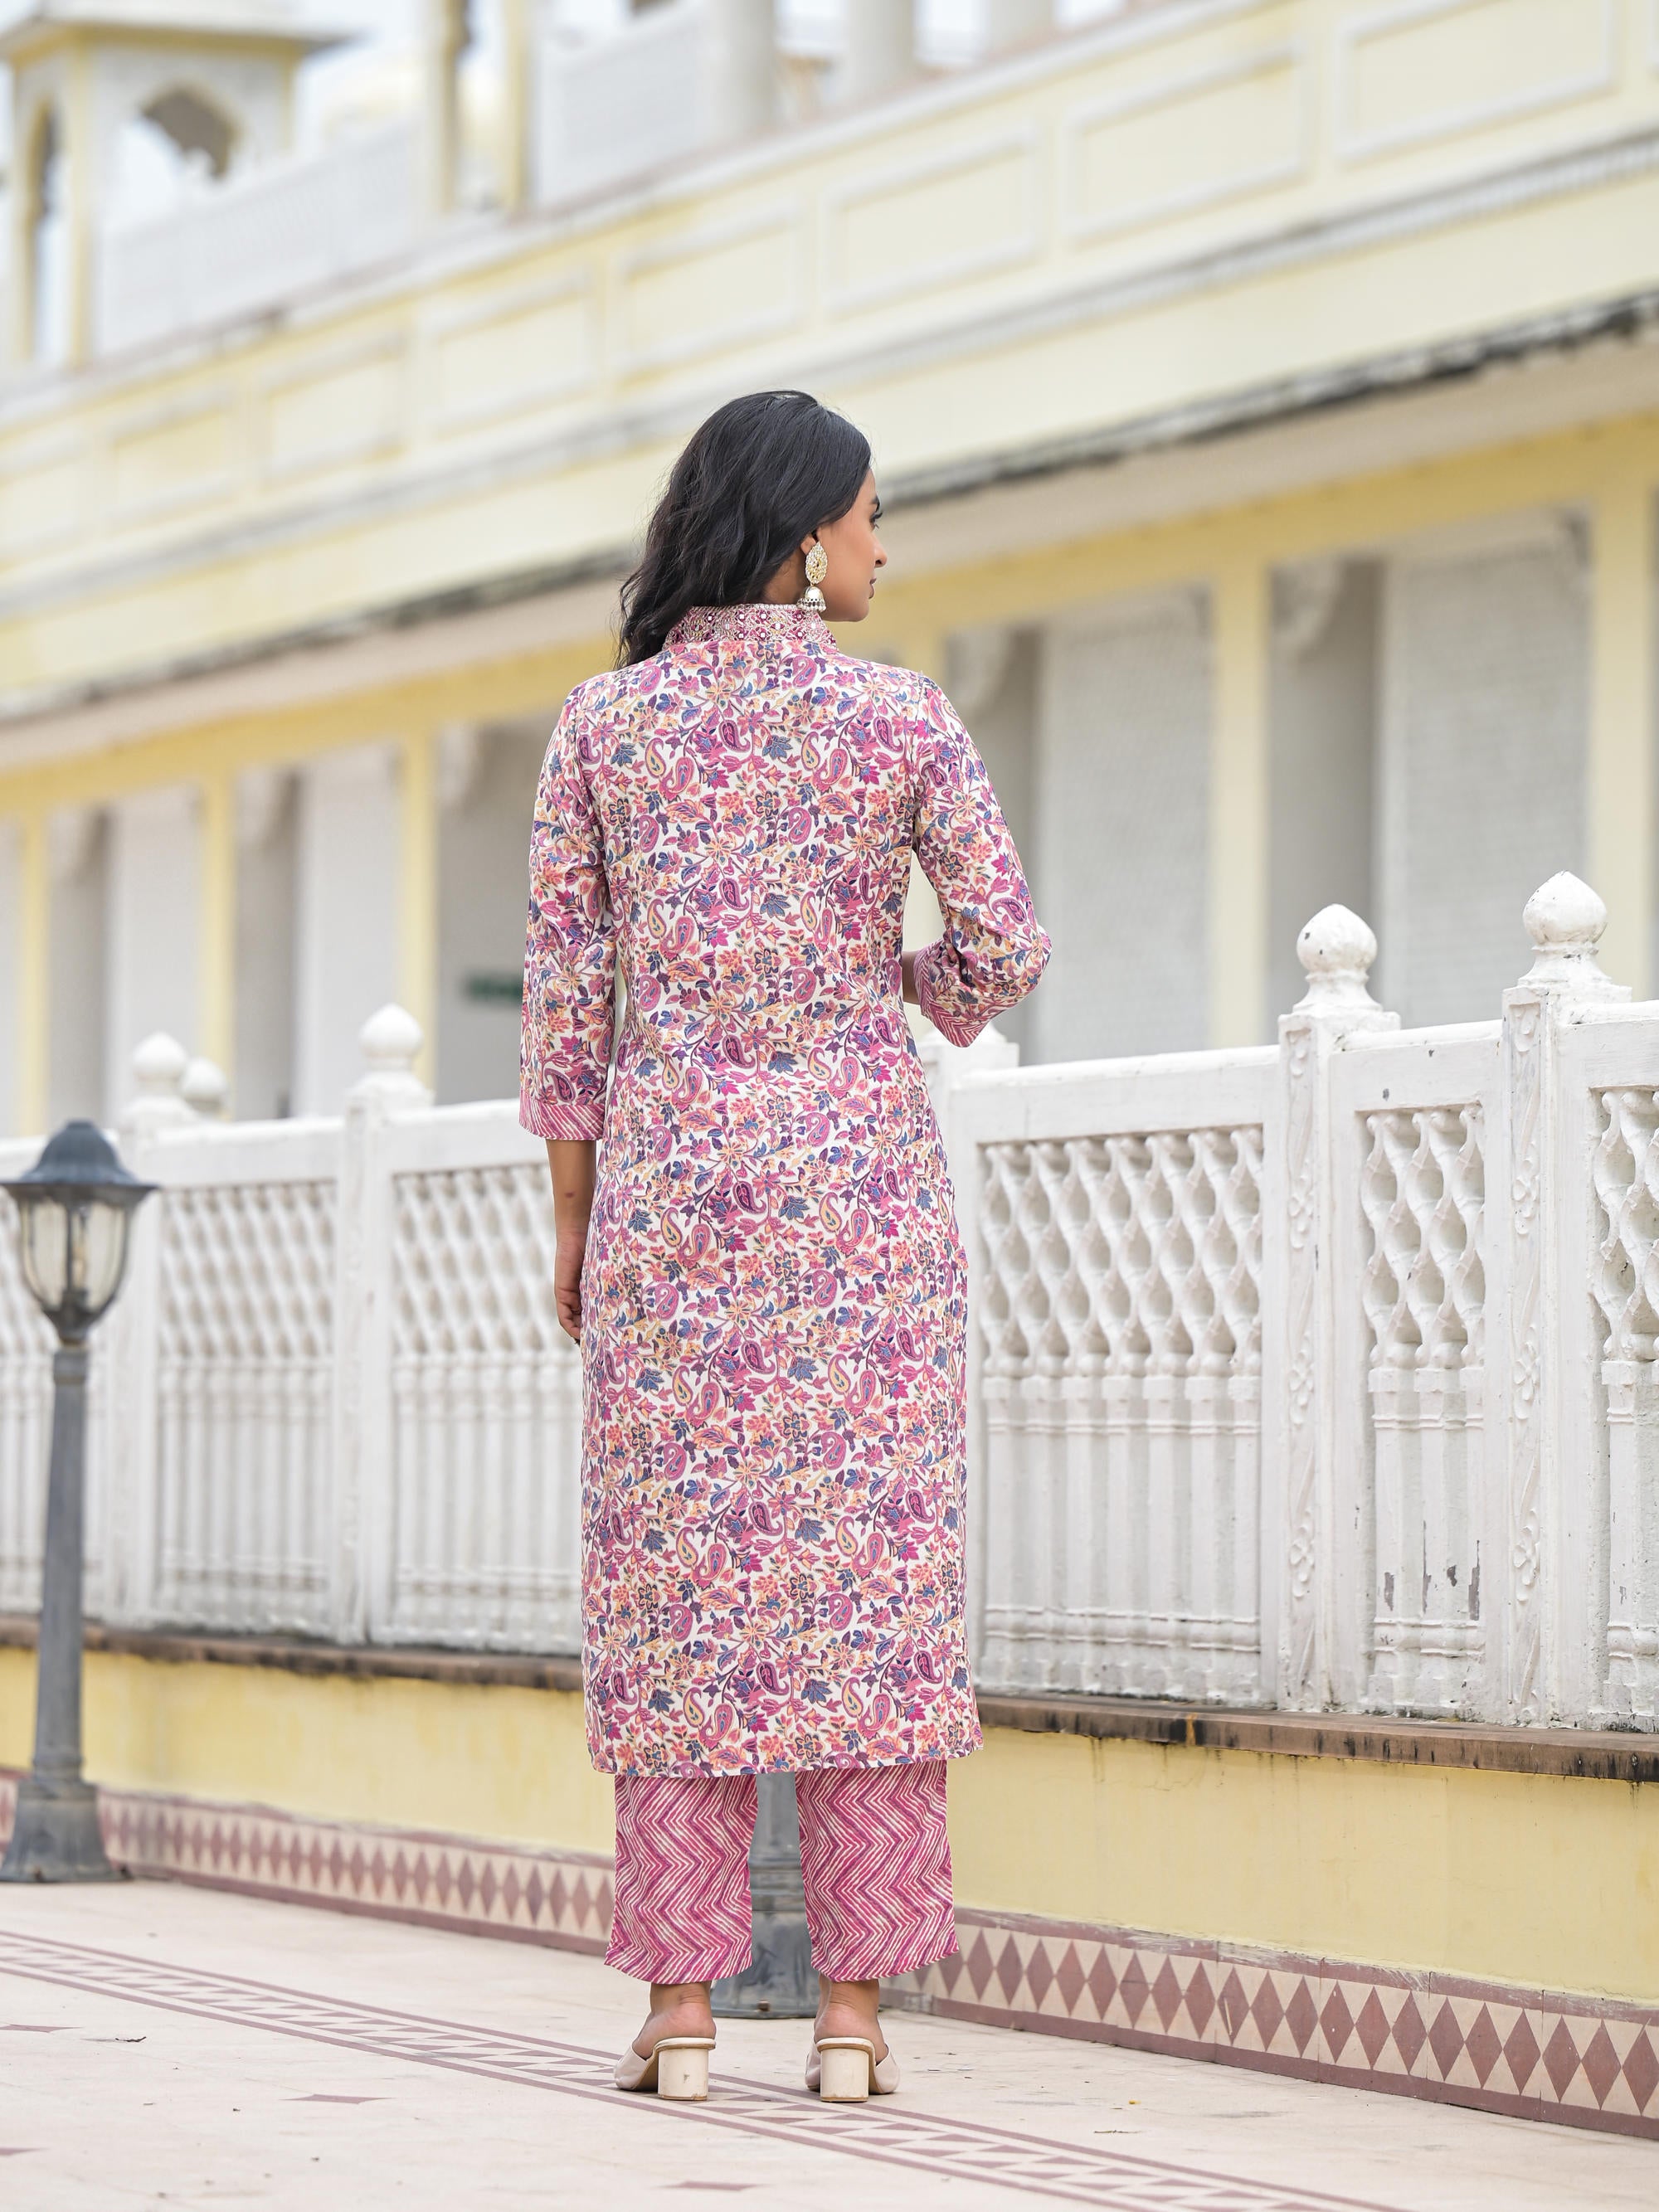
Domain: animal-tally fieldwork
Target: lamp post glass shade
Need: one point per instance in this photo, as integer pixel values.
(75, 1206)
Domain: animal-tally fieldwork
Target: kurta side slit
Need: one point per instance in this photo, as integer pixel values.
(773, 1292)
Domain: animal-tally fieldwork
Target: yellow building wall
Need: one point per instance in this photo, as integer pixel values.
(516, 404)
(507, 1764)
(1542, 1880)
(1536, 1879)
(1608, 472)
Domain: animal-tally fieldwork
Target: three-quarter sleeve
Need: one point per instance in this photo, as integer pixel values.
(994, 948)
(570, 954)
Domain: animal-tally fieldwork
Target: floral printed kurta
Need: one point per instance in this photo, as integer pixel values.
(774, 1290)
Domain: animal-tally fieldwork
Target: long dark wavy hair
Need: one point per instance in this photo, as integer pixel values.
(761, 473)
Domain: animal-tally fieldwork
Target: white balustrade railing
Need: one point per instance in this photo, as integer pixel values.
(260, 240)
(1118, 1372)
(486, 1392)
(1321, 1375)
(232, 1472)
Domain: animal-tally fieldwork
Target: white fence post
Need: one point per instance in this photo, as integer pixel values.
(1336, 949)
(360, 1563)
(1544, 1170)
(131, 1410)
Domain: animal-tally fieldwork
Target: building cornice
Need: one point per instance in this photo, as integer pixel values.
(1400, 217)
(1283, 404)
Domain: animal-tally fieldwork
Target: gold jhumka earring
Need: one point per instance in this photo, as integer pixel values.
(817, 567)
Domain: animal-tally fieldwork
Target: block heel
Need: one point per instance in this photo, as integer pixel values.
(682, 2070)
(847, 2069)
(678, 2068)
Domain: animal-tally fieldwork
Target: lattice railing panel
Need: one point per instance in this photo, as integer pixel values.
(1123, 1255)
(1120, 1315)
(1624, 1286)
(487, 1399)
(1422, 1191)
(1624, 1172)
(244, 1376)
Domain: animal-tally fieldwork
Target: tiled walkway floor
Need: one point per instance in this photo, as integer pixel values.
(168, 2047)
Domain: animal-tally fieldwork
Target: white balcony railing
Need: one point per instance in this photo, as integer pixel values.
(254, 243)
(1324, 1375)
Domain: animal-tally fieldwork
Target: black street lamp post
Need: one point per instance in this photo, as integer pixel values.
(779, 1983)
(74, 1208)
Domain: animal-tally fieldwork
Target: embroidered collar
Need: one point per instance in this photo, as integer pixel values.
(756, 627)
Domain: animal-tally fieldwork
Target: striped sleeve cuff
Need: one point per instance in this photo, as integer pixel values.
(559, 1117)
(955, 1029)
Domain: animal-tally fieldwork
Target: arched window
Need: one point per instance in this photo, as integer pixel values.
(48, 274)
(201, 133)
(179, 141)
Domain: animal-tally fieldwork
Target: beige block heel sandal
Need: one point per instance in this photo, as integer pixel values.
(844, 2069)
(678, 2068)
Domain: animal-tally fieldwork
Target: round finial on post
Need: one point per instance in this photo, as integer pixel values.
(205, 1088)
(1336, 949)
(158, 1073)
(391, 1040)
(1566, 920)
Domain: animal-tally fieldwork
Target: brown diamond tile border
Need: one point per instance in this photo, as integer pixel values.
(1533, 2054)
(531, 1896)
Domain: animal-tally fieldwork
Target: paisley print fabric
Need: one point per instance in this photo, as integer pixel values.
(774, 1289)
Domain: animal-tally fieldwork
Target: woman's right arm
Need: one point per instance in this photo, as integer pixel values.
(569, 999)
(571, 1161)
(994, 948)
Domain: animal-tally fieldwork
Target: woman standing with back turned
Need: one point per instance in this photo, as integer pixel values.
(767, 1282)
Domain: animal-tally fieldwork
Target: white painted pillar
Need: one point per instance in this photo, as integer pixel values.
(1238, 817)
(346, 903)
(262, 1066)
(1016, 23)
(76, 963)
(880, 50)
(443, 39)
(738, 68)
(1624, 709)
(152, 928)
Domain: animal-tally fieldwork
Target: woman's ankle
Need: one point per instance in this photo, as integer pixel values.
(849, 2008)
(674, 2009)
(679, 1997)
(849, 1992)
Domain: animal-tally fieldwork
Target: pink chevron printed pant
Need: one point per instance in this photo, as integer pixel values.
(875, 1863)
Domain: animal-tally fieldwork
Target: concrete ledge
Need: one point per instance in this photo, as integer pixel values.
(1592, 1755)
(300, 1654)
